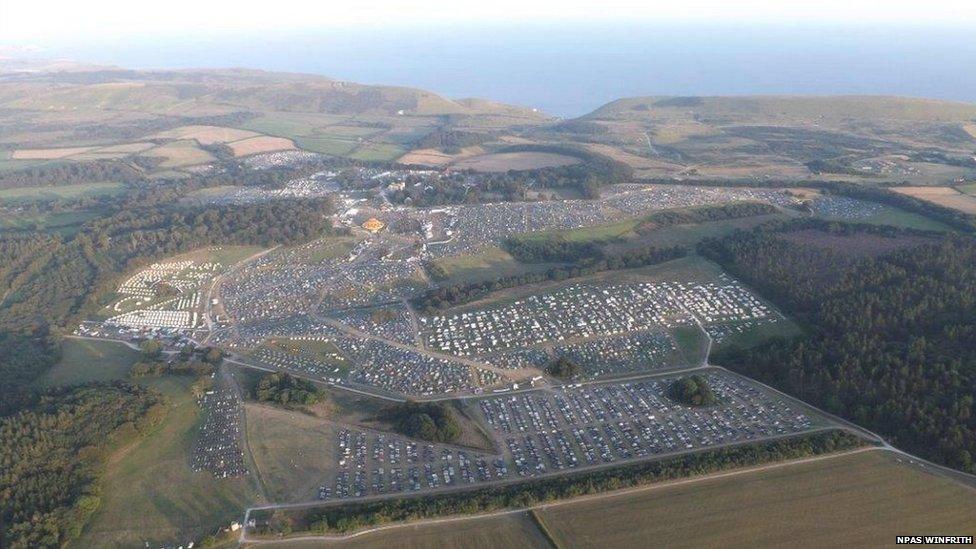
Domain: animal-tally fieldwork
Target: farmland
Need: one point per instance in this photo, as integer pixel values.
(943, 196)
(29, 194)
(501, 162)
(854, 500)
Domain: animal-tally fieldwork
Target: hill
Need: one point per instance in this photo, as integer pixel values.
(799, 137)
(77, 113)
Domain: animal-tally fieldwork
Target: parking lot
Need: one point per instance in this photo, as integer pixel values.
(218, 447)
(373, 463)
(575, 426)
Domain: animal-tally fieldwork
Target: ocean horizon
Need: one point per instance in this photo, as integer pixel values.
(569, 70)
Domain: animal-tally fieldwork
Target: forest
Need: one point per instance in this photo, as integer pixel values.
(889, 342)
(51, 454)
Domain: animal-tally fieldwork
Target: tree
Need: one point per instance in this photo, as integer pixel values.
(692, 390)
(564, 368)
(152, 349)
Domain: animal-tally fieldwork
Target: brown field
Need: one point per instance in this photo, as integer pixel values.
(858, 245)
(47, 154)
(434, 157)
(289, 449)
(513, 531)
(178, 154)
(207, 135)
(856, 500)
(261, 144)
(632, 160)
(970, 129)
(943, 196)
(502, 162)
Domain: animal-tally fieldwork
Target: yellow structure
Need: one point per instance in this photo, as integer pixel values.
(373, 225)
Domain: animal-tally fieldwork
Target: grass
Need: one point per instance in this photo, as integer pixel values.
(896, 217)
(331, 249)
(378, 152)
(64, 223)
(513, 531)
(857, 500)
(489, 263)
(150, 494)
(676, 235)
(751, 337)
(85, 360)
(292, 451)
(326, 145)
(968, 189)
(691, 343)
(81, 190)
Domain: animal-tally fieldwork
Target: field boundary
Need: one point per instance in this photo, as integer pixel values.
(244, 539)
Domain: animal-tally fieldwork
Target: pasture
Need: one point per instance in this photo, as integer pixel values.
(63, 223)
(150, 493)
(511, 531)
(503, 162)
(260, 144)
(206, 135)
(81, 190)
(85, 360)
(290, 450)
(855, 500)
(179, 154)
(943, 196)
(48, 154)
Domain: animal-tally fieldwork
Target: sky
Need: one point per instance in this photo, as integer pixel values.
(36, 22)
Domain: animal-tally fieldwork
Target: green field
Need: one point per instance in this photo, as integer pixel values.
(35, 194)
(968, 189)
(515, 531)
(85, 360)
(291, 450)
(897, 218)
(150, 494)
(326, 145)
(64, 223)
(858, 500)
(378, 152)
(491, 262)
(331, 249)
(758, 334)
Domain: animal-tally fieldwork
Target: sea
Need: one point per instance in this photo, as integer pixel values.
(568, 70)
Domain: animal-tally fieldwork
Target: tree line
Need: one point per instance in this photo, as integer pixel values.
(890, 340)
(354, 516)
(51, 454)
